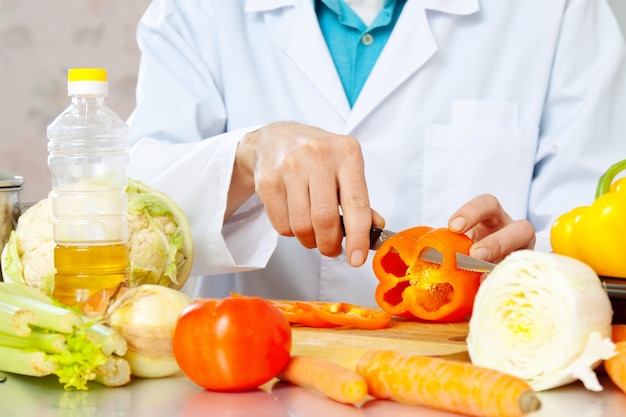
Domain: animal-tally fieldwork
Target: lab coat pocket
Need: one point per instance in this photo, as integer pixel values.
(483, 151)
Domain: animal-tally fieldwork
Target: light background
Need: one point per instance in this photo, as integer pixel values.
(39, 41)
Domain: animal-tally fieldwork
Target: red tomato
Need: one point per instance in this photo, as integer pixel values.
(231, 344)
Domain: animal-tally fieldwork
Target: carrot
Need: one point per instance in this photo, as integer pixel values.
(618, 333)
(334, 381)
(616, 366)
(454, 386)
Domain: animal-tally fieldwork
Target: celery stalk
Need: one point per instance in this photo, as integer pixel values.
(46, 342)
(77, 364)
(48, 316)
(24, 290)
(23, 362)
(15, 320)
(57, 340)
(112, 342)
(114, 373)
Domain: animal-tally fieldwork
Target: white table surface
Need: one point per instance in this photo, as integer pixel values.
(177, 396)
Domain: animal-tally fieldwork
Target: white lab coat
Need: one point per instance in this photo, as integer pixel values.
(521, 99)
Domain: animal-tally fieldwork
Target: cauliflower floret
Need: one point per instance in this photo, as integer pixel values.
(160, 242)
(148, 249)
(35, 246)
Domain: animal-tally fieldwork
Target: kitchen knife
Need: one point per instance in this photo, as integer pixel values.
(378, 235)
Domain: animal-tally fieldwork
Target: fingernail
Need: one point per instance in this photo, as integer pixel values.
(357, 258)
(457, 224)
(481, 253)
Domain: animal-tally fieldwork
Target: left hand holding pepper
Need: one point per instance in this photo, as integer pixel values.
(494, 232)
(412, 288)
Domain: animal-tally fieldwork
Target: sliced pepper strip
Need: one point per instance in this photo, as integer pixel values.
(298, 312)
(346, 314)
(412, 288)
(322, 314)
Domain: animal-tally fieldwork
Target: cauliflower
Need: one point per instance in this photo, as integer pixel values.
(28, 255)
(160, 242)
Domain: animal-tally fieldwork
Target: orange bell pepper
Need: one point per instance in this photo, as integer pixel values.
(595, 234)
(412, 288)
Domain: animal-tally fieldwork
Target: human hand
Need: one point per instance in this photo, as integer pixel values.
(494, 232)
(303, 174)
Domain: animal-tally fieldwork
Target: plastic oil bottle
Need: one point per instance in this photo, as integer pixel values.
(88, 158)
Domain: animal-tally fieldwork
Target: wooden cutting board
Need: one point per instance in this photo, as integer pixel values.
(346, 345)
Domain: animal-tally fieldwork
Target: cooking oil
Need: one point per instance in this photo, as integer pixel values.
(85, 270)
(88, 159)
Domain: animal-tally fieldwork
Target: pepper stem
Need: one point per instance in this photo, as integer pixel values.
(605, 181)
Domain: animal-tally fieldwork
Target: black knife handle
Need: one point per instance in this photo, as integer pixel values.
(375, 233)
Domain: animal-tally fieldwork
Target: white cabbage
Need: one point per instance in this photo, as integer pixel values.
(542, 317)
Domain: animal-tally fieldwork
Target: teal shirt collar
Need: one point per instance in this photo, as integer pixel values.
(354, 47)
(349, 18)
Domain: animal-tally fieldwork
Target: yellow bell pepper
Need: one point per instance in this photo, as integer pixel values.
(596, 234)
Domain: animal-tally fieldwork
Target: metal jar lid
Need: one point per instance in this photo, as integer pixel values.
(11, 183)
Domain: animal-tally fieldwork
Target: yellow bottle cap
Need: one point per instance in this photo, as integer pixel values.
(87, 82)
(87, 74)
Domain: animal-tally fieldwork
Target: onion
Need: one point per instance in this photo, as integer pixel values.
(542, 317)
(146, 317)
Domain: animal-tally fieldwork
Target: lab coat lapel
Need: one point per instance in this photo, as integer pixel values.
(395, 64)
(299, 35)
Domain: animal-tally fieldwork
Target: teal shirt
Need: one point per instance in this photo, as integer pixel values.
(355, 47)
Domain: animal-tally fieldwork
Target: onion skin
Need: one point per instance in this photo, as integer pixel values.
(145, 367)
(146, 317)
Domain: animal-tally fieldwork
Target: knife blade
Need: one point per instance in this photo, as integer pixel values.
(378, 235)
(462, 261)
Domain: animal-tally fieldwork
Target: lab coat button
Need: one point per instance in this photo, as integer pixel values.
(367, 39)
